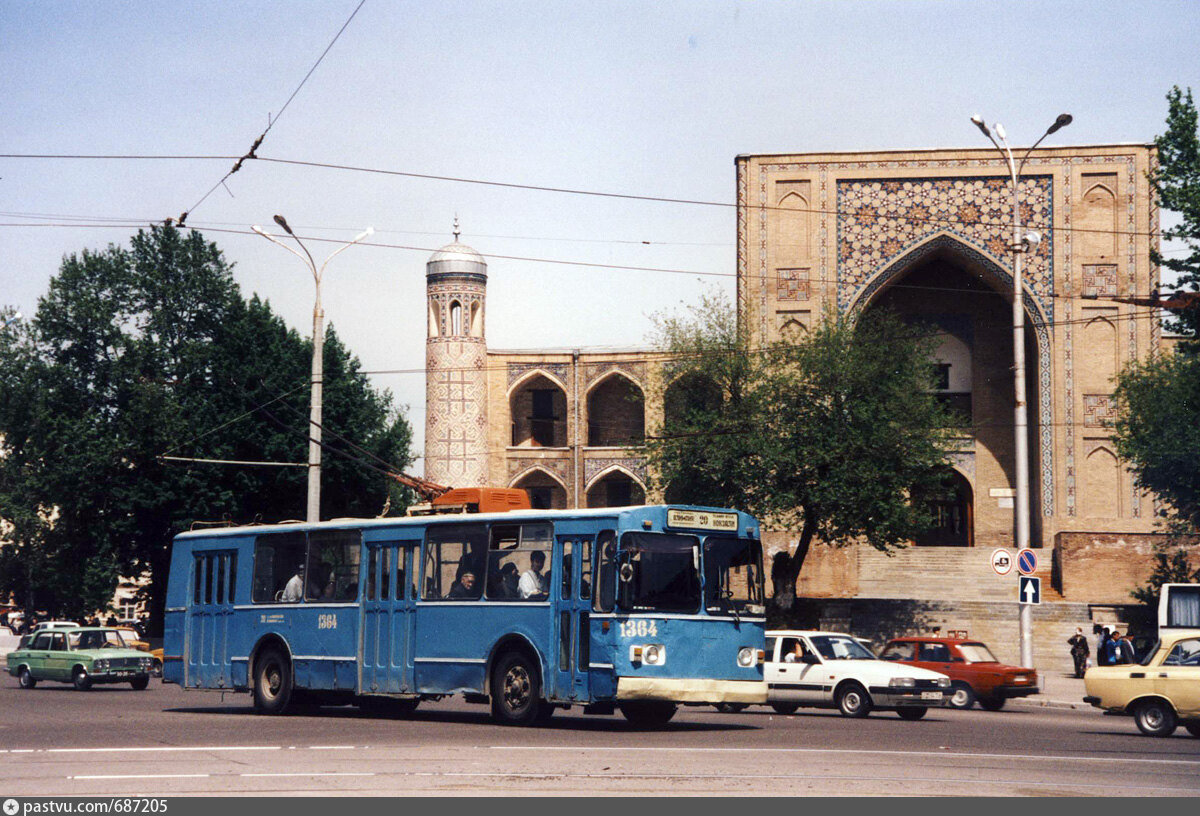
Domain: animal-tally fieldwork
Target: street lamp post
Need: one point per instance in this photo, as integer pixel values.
(318, 359)
(1021, 243)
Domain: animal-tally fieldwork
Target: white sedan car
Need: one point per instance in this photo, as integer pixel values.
(833, 670)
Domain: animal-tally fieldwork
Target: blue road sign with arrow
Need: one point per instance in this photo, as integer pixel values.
(1029, 590)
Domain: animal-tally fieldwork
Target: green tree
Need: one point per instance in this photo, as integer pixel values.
(138, 352)
(836, 434)
(1176, 181)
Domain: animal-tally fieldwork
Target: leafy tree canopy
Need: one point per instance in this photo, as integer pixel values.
(837, 434)
(1176, 181)
(151, 350)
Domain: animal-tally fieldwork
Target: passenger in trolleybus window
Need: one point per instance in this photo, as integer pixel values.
(533, 583)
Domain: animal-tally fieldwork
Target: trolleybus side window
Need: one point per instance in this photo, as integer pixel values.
(606, 572)
(278, 558)
(333, 565)
(658, 571)
(518, 566)
(733, 576)
(455, 556)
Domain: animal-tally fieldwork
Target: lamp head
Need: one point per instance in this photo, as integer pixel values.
(281, 221)
(1031, 239)
(979, 123)
(1061, 122)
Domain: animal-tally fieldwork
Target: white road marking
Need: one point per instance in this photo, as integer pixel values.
(332, 747)
(161, 748)
(314, 773)
(142, 776)
(1028, 757)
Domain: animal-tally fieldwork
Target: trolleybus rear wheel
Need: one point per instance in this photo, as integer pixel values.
(272, 682)
(516, 690)
(648, 713)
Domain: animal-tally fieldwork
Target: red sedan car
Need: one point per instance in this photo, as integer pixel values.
(975, 674)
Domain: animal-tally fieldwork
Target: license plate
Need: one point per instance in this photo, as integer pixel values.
(931, 695)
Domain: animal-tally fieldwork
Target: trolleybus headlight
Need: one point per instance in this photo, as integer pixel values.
(746, 656)
(654, 654)
(902, 682)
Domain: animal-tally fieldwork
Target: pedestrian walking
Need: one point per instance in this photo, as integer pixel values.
(1111, 655)
(1125, 650)
(1079, 651)
(1102, 647)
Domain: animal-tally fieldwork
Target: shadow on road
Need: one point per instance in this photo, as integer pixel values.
(562, 721)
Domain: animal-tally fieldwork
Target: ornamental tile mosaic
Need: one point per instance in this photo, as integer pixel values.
(558, 371)
(636, 371)
(1098, 410)
(1099, 280)
(632, 465)
(879, 221)
(792, 284)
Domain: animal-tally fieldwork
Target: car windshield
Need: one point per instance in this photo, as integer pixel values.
(840, 647)
(95, 639)
(658, 572)
(976, 653)
(733, 577)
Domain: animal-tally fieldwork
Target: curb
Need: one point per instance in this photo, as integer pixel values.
(1028, 703)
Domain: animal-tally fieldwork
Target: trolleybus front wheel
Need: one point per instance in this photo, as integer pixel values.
(272, 682)
(516, 690)
(648, 713)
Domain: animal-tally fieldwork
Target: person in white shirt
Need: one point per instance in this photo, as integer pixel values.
(532, 582)
(294, 590)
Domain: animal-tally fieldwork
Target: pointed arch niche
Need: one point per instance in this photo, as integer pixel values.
(545, 491)
(538, 409)
(616, 412)
(961, 295)
(615, 487)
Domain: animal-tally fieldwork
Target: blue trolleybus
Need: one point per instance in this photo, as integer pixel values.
(632, 608)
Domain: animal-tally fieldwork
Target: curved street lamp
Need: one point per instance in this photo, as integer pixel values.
(318, 360)
(1021, 243)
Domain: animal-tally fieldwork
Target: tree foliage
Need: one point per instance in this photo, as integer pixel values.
(837, 434)
(151, 350)
(1176, 182)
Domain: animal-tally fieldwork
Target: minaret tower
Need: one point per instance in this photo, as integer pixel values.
(455, 374)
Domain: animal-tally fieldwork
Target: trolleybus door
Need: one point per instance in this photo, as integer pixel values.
(388, 616)
(214, 582)
(572, 643)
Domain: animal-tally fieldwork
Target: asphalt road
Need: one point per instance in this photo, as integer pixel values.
(165, 741)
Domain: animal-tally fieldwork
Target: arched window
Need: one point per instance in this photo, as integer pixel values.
(456, 311)
(616, 413)
(616, 489)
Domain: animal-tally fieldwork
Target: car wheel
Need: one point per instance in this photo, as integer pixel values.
(785, 708)
(140, 683)
(853, 701)
(911, 712)
(516, 690)
(1193, 728)
(961, 696)
(26, 679)
(156, 668)
(730, 708)
(991, 703)
(81, 680)
(272, 682)
(1155, 718)
(648, 713)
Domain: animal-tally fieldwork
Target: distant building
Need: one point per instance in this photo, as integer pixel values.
(924, 233)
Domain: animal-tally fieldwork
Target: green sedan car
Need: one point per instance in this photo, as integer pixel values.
(83, 656)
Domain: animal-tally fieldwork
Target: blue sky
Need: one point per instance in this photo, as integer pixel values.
(631, 97)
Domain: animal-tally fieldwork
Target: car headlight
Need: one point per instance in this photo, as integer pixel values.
(902, 682)
(943, 682)
(145, 662)
(100, 665)
(746, 657)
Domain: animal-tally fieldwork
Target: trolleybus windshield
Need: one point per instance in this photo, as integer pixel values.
(658, 572)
